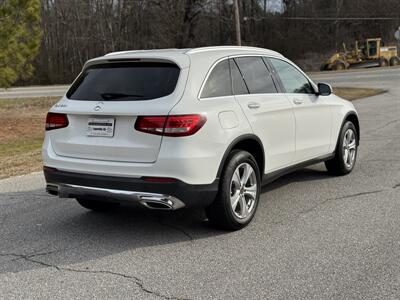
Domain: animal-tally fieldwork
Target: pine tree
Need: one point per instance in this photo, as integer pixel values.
(20, 37)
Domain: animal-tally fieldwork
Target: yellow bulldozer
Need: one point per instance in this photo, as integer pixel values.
(370, 53)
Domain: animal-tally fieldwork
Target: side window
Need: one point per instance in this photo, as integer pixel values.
(219, 82)
(292, 79)
(239, 86)
(256, 75)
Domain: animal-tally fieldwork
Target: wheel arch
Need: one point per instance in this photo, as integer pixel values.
(250, 143)
(352, 117)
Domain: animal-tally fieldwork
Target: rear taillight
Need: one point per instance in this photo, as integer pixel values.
(56, 121)
(175, 126)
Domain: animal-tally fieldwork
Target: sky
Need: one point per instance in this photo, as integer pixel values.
(275, 5)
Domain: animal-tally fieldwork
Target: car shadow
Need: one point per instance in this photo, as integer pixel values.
(313, 173)
(39, 230)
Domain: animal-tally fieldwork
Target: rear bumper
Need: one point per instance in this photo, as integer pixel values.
(171, 195)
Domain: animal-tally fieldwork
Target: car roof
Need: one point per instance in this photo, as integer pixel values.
(182, 57)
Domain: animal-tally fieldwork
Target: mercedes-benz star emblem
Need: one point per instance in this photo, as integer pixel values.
(98, 106)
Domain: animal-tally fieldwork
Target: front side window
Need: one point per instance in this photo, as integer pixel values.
(219, 82)
(134, 81)
(292, 79)
(256, 75)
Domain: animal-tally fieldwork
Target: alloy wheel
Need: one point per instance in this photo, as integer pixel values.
(349, 148)
(243, 191)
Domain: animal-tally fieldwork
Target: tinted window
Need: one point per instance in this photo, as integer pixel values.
(239, 86)
(256, 75)
(219, 82)
(292, 79)
(125, 81)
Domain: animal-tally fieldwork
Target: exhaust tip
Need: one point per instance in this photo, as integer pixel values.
(157, 205)
(52, 189)
(162, 203)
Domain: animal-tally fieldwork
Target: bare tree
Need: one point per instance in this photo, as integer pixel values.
(75, 30)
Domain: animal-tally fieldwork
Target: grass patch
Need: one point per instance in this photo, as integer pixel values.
(22, 123)
(35, 103)
(16, 147)
(356, 93)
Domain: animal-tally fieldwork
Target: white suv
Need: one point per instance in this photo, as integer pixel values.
(199, 127)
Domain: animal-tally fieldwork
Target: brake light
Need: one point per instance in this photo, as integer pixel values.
(154, 125)
(174, 126)
(56, 121)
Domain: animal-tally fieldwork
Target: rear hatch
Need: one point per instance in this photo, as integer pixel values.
(104, 102)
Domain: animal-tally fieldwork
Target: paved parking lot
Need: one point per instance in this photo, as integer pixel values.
(314, 236)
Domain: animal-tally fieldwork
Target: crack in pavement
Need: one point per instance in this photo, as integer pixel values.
(314, 207)
(136, 280)
(381, 160)
(374, 138)
(383, 126)
(338, 198)
(25, 256)
(174, 227)
(346, 197)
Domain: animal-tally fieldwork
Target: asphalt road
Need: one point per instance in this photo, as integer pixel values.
(33, 91)
(314, 236)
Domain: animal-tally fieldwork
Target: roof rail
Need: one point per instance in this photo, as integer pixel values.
(224, 48)
(139, 51)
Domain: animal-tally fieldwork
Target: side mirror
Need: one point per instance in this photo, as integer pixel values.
(324, 89)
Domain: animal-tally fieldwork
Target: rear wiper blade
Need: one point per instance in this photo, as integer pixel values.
(111, 96)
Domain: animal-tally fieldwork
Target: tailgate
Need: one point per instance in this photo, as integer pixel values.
(103, 104)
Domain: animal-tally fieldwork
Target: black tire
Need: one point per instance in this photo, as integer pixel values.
(221, 213)
(395, 61)
(323, 67)
(96, 205)
(339, 66)
(383, 62)
(337, 165)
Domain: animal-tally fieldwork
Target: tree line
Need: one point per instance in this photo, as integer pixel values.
(73, 31)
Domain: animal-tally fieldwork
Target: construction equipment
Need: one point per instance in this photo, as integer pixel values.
(370, 53)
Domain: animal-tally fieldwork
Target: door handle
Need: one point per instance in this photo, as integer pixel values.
(253, 105)
(298, 101)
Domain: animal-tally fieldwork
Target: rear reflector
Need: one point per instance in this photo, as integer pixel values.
(159, 179)
(56, 121)
(49, 169)
(174, 126)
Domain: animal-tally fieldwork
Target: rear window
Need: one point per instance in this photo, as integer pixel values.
(219, 82)
(135, 81)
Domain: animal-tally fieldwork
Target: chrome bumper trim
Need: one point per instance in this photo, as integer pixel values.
(149, 200)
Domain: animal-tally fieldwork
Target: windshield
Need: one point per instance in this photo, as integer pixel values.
(134, 81)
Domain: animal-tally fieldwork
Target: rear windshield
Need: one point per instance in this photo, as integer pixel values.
(134, 81)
